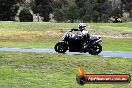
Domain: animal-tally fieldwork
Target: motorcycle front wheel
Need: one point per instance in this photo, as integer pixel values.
(61, 47)
(95, 49)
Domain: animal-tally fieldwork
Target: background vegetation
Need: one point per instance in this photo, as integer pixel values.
(70, 10)
(25, 16)
(8, 10)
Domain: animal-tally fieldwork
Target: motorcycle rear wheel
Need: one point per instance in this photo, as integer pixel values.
(61, 47)
(95, 49)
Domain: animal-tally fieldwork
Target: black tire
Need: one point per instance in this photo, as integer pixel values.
(61, 47)
(95, 49)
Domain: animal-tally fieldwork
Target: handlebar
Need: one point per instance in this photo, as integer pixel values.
(74, 29)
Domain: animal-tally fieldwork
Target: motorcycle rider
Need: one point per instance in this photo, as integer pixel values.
(82, 28)
(85, 34)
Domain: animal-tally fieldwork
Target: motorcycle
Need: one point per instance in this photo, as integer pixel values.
(75, 42)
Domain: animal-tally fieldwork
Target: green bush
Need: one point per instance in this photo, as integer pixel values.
(25, 16)
(8, 10)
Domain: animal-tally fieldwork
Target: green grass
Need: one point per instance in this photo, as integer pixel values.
(112, 26)
(43, 70)
(37, 26)
(34, 26)
(26, 44)
(113, 44)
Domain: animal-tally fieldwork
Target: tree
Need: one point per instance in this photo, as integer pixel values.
(102, 10)
(96, 16)
(25, 16)
(127, 6)
(60, 15)
(66, 11)
(117, 10)
(95, 10)
(87, 8)
(43, 8)
(81, 3)
(60, 10)
(73, 12)
(8, 10)
(60, 3)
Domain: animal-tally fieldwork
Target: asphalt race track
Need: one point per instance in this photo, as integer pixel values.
(103, 53)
